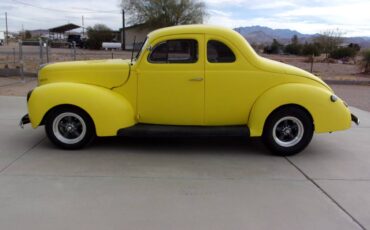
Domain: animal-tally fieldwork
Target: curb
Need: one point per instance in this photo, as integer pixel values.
(347, 82)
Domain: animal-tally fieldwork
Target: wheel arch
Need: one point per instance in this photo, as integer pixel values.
(66, 107)
(292, 105)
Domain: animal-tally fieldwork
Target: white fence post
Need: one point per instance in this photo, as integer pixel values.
(41, 52)
(20, 59)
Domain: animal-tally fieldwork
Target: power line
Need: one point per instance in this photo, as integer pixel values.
(81, 11)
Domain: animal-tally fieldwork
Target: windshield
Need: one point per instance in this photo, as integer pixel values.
(141, 48)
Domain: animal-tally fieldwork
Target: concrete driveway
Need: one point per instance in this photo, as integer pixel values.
(120, 183)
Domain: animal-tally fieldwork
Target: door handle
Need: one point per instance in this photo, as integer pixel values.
(197, 79)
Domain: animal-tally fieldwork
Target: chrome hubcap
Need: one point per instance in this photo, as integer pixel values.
(288, 131)
(69, 128)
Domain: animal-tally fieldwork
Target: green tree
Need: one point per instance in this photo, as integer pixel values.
(163, 13)
(294, 47)
(274, 48)
(27, 34)
(310, 49)
(97, 35)
(295, 40)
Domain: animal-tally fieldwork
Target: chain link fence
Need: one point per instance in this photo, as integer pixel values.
(24, 58)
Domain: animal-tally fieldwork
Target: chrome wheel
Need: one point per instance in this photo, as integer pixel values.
(69, 128)
(288, 131)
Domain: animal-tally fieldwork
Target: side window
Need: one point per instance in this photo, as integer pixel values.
(160, 53)
(218, 52)
(175, 51)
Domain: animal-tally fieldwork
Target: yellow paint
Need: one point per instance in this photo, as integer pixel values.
(117, 94)
(105, 73)
(166, 92)
(327, 115)
(108, 110)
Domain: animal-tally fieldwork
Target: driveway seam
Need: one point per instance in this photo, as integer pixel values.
(327, 194)
(336, 179)
(20, 156)
(153, 178)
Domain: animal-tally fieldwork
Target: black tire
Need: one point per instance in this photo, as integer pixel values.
(288, 131)
(69, 128)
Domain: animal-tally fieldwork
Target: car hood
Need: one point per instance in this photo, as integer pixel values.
(281, 68)
(104, 73)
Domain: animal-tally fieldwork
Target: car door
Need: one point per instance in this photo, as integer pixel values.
(229, 86)
(171, 81)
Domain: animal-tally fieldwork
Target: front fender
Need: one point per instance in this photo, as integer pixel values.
(328, 116)
(109, 110)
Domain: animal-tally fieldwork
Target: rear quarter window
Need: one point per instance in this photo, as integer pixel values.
(218, 52)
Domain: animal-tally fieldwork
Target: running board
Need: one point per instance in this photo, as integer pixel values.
(184, 131)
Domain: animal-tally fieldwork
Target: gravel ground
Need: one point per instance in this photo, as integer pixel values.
(13, 86)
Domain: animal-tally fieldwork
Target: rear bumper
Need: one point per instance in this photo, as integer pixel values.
(355, 119)
(25, 120)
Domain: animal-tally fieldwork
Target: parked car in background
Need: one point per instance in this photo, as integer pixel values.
(77, 39)
(188, 80)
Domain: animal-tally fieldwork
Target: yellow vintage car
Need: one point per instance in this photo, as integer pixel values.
(193, 80)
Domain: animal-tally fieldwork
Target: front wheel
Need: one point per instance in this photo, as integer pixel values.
(69, 128)
(288, 131)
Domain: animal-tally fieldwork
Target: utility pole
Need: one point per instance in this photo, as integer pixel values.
(123, 36)
(23, 33)
(6, 28)
(83, 26)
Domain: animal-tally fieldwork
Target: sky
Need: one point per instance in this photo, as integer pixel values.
(352, 17)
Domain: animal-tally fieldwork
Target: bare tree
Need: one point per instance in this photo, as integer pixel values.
(329, 40)
(162, 13)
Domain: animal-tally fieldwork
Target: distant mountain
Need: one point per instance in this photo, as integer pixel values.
(265, 35)
(278, 33)
(362, 41)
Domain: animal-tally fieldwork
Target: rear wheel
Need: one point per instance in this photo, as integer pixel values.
(69, 128)
(288, 131)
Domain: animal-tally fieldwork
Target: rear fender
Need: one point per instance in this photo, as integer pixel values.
(328, 116)
(109, 110)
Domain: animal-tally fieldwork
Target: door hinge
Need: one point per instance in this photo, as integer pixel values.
(138, 117)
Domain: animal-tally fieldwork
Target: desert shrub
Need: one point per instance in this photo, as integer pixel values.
(365, 63)
(343, 52)
(97, 35)
(295, 49)
(310, 49)
(355, 46)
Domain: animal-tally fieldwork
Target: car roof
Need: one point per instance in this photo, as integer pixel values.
(192, 29)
